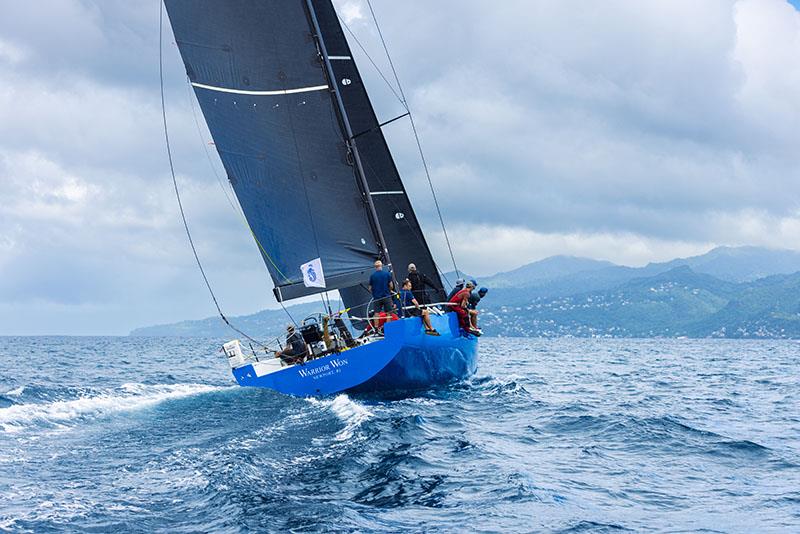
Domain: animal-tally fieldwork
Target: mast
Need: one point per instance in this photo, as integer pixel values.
(351, 143)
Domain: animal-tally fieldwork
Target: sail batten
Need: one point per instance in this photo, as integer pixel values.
(261, 93)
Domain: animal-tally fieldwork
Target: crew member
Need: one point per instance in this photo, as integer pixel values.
(474, 298)
(460, 303)
(409, 307)
(295, 349)
(458, 287)
(418, 282)
(381, 287)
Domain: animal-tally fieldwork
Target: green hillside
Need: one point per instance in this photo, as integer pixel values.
(567, 296)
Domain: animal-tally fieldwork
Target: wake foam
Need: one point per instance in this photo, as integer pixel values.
(128, 397)
(351, 413)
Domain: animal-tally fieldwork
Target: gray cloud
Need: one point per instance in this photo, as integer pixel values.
(629, 131)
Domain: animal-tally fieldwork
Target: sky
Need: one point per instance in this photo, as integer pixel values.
(620, 130)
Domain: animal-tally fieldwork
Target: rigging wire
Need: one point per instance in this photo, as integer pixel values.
(238, 210)
(205, 147)
(401, 98)
(416, 136)
(408, 112)
(175, 180)
(369, 57)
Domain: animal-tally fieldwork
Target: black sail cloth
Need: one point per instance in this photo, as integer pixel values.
(398, 221)
(263, 91)
(266, 97)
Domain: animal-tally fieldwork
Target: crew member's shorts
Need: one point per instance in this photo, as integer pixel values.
(412, 312)
(384, 304)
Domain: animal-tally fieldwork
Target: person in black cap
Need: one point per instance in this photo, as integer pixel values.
(295, 349)
(418, 282)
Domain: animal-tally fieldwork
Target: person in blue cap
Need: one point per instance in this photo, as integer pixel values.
(474, 298)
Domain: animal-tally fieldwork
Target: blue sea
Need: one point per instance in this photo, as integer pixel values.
(152, 435)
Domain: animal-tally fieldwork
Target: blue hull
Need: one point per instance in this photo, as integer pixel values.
(406, 358)
(424, 360)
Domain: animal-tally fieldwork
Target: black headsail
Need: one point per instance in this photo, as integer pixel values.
(264, 90)
(398, 221)
(256, 71)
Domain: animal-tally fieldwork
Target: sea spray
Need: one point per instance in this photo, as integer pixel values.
(347, 410)
(128, 397)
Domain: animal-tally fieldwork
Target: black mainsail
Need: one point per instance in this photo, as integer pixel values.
(263, 72)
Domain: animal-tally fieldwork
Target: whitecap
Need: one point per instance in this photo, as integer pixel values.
(128, 397)
(16, 392)
(350, 412)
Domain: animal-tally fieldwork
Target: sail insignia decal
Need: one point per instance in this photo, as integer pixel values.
(260, 93)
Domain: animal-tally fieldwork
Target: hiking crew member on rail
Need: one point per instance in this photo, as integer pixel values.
(381, 287)
(474, 298)
(458, 287)
(460, 305)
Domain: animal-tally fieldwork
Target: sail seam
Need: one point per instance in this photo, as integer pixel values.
(261, 93)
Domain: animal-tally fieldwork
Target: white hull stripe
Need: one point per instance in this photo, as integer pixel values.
(386, 193)
(342, 58)
(260, 93)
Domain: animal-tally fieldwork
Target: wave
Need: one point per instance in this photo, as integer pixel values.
(491, 386)
(350, 412)
(16, 392)
(128, 397)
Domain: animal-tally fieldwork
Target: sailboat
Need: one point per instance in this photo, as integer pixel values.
(308, 161)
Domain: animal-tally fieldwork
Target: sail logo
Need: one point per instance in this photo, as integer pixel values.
(313, 275)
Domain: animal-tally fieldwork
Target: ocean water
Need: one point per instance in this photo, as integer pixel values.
(152, 435)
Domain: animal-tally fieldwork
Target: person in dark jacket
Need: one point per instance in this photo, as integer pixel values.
(459, 286)
(418, 283)
(476, 296)
(295, 349)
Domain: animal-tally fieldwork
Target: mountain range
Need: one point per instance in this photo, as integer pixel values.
(743, 292)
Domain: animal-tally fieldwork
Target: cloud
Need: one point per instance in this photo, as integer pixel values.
(485, 249)
(627, 131)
